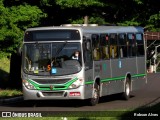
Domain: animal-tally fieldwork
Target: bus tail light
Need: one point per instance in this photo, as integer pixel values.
(28, 85)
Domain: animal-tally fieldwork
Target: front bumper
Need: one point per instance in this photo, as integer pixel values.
(53, 95)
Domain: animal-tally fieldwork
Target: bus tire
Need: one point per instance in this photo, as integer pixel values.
(95, 97)
(126, 93)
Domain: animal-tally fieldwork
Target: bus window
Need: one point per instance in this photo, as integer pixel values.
(95, 46)
(104, 43)
(131, 45)
(87, 52)
(122, 45)
(113, 46)
(140, 44)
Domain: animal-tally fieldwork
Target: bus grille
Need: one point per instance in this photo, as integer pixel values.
(51, 81)
(52, 93)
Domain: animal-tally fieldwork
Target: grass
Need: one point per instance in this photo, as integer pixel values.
(10, 93)
(4, 64)
(4, 69)
(4, 77)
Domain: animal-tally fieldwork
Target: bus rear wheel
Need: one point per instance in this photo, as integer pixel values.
(95, 97)
(126, 93)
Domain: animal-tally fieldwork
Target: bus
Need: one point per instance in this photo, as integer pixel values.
(82, 62)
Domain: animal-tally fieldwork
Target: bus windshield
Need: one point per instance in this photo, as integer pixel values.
(57, 58)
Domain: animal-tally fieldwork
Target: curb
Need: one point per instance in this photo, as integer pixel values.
(10, 100)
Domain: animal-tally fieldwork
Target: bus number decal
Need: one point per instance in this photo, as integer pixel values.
(120, 64)
(48, 67)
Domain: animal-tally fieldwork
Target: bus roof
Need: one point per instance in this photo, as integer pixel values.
(112, 29)
(94, 29)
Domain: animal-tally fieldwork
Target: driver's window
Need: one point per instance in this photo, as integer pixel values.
(87, 51)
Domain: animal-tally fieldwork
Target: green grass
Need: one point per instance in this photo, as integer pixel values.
(10, 93)
(4, 77)
(4, 64)
(4, 69)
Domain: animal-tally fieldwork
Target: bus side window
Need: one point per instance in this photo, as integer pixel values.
(87, 52)
(122, 45)
(104, 43)
(131, 45)
(95, 46)
(113, 46)
(140, 44)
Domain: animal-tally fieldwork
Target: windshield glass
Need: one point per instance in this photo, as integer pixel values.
(52, 58)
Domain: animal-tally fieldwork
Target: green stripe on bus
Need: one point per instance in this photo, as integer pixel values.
(66, 85)
(115, 78)
(89, 82)
(138, 75)
(56, 86)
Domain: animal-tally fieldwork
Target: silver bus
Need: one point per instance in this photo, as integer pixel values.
(82, 62)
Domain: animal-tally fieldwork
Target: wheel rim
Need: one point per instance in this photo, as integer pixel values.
(127, 89)
(95, 94)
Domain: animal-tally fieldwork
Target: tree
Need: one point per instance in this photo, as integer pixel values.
(153, 23)
(122, 12)
(17, 15)
(13, 21)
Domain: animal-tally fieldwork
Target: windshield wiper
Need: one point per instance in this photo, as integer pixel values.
(60, 49)
(57, 53)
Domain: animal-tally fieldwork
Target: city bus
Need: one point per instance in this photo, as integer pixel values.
(82, 62)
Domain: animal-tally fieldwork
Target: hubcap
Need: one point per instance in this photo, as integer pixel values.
(127, 89)
(95, 95)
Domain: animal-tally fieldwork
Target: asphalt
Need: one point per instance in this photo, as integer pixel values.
(10, 100)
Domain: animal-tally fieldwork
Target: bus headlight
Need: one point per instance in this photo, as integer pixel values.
(28, 85)
(76, 84)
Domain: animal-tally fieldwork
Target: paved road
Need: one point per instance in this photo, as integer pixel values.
(148, 95)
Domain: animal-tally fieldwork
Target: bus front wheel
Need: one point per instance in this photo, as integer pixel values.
(95, 97)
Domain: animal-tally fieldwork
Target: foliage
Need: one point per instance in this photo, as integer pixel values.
(92, 20)
(153, 22)
(16, 15)
(78, 3)
(13, 21)
(139, 1)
